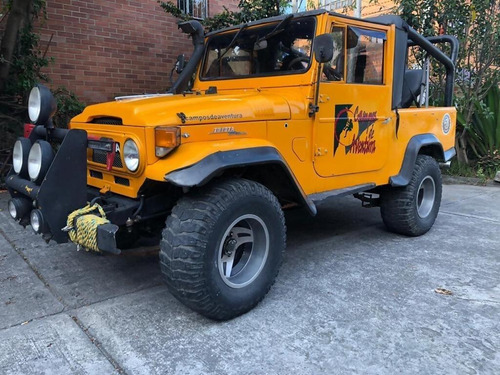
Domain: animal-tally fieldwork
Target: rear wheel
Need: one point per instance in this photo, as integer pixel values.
(222, 248)
(412, 210)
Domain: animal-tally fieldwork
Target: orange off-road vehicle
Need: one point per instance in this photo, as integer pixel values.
(281, 112)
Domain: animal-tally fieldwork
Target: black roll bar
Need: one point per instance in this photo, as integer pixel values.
(449, 62)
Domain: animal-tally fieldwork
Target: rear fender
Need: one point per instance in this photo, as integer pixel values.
(427, 144)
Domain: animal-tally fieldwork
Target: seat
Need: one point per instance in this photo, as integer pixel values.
(412, 83)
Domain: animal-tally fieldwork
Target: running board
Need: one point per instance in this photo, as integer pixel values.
(340, 192)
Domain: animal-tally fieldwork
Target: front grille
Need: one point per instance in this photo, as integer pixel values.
(100, 156)
(122, 181)
(107, 121)
(95, 174)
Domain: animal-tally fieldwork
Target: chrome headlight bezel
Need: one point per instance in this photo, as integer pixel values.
(39, 160)
(131, 155)
(37, 221)
(20, 154)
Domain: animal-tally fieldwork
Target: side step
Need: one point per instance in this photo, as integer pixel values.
(340, 192)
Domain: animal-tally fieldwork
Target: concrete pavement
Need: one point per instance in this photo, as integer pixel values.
(350, 298)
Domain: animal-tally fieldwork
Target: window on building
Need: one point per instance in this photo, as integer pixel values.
(334, 70)
(365, 56)
(195, 8)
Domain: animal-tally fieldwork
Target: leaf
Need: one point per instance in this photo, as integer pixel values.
(443, 291)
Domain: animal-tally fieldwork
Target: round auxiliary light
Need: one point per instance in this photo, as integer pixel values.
(39, 160)
(41, 105)
(20, 155)
(12, 210)
(36, 221)
(131, 155)
(19, 208)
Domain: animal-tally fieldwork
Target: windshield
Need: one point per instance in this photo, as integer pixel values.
(271, 49)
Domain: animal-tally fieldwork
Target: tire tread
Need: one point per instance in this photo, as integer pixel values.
(185, 239)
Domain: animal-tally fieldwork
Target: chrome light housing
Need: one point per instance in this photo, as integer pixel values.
(41, 105)
(131, 155)
(39, 160)
(19, 208)
(20, 155)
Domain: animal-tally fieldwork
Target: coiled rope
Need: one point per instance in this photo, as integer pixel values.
(82, 226)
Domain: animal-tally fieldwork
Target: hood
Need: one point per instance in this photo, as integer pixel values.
(190, 109)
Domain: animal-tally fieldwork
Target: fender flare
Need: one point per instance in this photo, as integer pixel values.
(207, 168)
(412, 150)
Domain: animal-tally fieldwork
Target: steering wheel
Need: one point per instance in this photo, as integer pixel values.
(296, 63)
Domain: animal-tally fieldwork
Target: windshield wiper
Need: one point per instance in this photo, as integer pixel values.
(280, 27)
(233, 41)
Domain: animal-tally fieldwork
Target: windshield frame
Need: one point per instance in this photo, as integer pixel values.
(250, 26)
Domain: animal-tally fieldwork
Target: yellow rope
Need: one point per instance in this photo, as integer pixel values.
(82, 226)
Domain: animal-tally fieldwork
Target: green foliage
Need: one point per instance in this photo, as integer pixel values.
(68, 106)
(470, 171)
(24, 73)
(476, 23)
(27, 63)
(484, 129)
(170, 8)
(248, 10)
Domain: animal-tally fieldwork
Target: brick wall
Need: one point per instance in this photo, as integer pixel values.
(105, 48)
(217, 6)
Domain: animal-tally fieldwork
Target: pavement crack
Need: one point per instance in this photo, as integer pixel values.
(33, 320)
(479, 300)
(90, 304)
(34, 269)
(469, 216)
(99, 346)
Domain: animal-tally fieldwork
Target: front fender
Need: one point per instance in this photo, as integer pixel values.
(225, 156)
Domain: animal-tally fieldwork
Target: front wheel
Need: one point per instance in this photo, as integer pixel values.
(412, 210)
(222, 248)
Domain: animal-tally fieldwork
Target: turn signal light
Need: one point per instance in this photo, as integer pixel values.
(166, 140)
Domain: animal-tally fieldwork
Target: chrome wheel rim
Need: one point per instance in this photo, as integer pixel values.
(426, 195)
(243, 251)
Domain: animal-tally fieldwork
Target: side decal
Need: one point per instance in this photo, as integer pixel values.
(354, 130)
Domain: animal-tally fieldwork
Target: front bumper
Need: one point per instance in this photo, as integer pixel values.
(63, 189)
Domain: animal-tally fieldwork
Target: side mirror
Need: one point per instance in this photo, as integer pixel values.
(323, 48)
(180, 64)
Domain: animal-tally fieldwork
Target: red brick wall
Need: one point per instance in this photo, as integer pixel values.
(105, 48)
(217, 6)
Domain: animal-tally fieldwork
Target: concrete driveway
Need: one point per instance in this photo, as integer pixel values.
(350, 298)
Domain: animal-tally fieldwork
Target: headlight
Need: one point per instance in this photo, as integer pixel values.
(34, 104)
(131, 155)
(39, 160)
(20, 155)
(41, 105)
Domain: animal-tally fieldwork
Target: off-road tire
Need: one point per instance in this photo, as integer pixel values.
(399, 206)
(193, 240)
